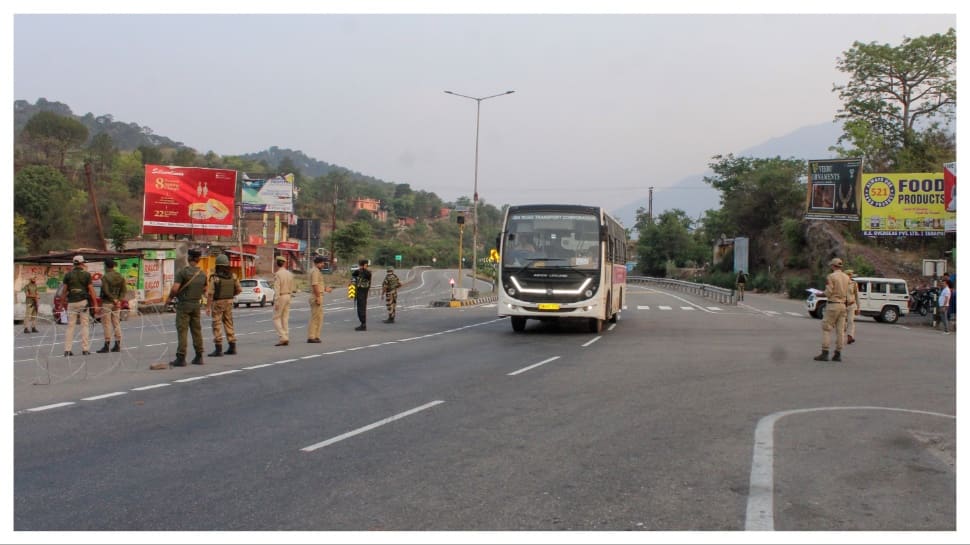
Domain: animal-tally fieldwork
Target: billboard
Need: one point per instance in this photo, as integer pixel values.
(833, 189)
(950, 196)
(267, 195)
(188, 200)
(904, 204)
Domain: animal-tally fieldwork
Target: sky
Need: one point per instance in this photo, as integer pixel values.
(605, 105)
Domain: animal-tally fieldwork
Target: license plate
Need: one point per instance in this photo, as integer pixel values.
(548, 306)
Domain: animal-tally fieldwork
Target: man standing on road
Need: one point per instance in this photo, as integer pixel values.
(78, 289)
(317, 289)
(223, 286)
(113, 291)
(389, 292)
(851, 308)
(837, 292)
(944, 306)
(189, 286)
(740, 282)
(31, 304)
(361, 281)
(283, 284)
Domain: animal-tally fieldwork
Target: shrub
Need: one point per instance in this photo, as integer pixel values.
(764, 282)
(796, 288)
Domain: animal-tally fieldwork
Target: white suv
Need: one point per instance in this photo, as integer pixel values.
(255, 291)
(884, 299)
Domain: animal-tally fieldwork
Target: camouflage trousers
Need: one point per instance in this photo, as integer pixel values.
(222, 317)
(390, 299)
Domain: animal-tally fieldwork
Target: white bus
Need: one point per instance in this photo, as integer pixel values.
(559, 262)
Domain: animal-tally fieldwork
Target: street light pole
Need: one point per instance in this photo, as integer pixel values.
(478, 117)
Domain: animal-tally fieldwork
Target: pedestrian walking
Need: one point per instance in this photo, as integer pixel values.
(389, 292)
(851, 308)
(187, 292)
(31, 303)
(223, 286)
(113, 292)
(79, 290)
(317, 289)
(283, 284)
(943, 305)
(740, 282)
(361, 281)
(837, 292)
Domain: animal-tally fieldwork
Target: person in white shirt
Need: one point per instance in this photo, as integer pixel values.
(944, 306)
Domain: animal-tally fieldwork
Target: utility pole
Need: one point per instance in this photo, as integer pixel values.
(94, 203)
(333, 230)
(242, 257)
(650, 205)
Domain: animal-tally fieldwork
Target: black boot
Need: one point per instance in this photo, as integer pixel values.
(26, 330)
(217, 352)
(837, 356)
(116, 347)
(33, 330)
(179, 361)
(105, 348)
(197, 360)
(824, 356)
(390, 320)
(231, 350)
(361, 327)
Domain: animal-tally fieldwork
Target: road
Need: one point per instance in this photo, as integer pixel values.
(685, 415)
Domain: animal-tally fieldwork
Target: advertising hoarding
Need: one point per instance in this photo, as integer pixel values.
(188, 200)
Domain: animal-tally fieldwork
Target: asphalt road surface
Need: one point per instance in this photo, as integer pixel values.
(685, 415)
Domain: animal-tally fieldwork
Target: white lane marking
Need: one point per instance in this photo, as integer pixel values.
(643, 307)
(356, 348)
(285, 361)
(48, 407)
(310, 356)
(611, 328)
(372, 345)
(761, 487)
(790, 313)
(369, 427)
(714, 308)
(772, 312)
(151, 387)
(334, 352)
(156, 344)
(190, 379)
(686, 308)
(220, 373)
(664, 307)
(591, 342)
(533, 366)
(103, 396)
(259, 366)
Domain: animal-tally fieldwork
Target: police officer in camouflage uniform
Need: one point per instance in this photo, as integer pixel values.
(79, 289)
(189, 286)
(113, 290)
(389, 292)
(223, 286)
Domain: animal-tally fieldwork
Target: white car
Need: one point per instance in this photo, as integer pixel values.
(255, 291)
(884, 299)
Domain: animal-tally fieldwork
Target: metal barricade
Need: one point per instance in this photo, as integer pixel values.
(721, 295)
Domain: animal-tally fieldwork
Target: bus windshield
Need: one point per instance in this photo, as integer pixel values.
(552, 239)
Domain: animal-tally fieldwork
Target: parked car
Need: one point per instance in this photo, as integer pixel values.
(884, 299)
(255, 290)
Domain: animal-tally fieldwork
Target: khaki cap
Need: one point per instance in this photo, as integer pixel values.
(836, 262)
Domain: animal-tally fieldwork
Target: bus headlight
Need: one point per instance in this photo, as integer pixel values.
(589, 293)
(511, 292)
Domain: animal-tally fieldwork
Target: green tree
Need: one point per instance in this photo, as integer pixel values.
(102, 152)
(48, 203)
(892, 92)
(55, 136)
(122, 228)
(21, 240)
(665, 240)
(349, 240)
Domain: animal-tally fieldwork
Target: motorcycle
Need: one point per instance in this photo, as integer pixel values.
(924, 300)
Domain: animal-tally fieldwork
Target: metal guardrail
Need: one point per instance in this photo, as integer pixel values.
(721, 295)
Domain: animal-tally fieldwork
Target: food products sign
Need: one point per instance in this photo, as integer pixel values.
(904, 204)
(188, 200)
(833, 189)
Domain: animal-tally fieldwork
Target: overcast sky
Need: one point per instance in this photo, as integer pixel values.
(604, 105)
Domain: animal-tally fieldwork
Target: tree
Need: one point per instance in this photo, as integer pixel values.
(349, 240)
(667, 239)
(122, 228)
(21, 240)
(102, 152)
(55, 135)
(48, 203)
(893, 93)
(150, 155)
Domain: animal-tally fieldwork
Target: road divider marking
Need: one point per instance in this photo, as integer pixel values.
(103, 396)
(49, 407)
(259, 366)
(191, 379)
(686, 308)
(150, 387)
(664, 307)
(285, 361)
(533, 366)
(220, 373)
(591, 341)
(310, 356)
(369, 427)
(714, 308)
(643, 307)
(334, 352)
(799, 314)
(611, 328)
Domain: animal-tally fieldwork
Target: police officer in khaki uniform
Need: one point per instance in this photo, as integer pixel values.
(189, 286)
(317, 289)
(851, 308)
(223, 286)
(79, 289)
(283, 284)
(113, 290)
(837, 292)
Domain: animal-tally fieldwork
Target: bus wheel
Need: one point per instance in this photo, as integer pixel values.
(518, 323)
(595, 325)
